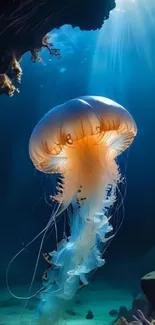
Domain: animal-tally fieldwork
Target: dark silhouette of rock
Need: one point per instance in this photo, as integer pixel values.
(25, 23)
(139, 302)
(123, 311)
(113, 313)
(89, 315)
(148, 287)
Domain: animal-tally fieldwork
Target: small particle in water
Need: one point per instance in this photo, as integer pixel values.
(62, 70)
(83, 61)
(120, 10)
(44, 63)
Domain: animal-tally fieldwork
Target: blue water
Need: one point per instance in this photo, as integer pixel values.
(118, 62)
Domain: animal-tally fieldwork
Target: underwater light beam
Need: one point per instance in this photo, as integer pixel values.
(125, 39)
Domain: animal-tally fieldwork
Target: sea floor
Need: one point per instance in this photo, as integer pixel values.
(98, 297)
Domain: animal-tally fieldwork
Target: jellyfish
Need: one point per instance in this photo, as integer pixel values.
(80, 141)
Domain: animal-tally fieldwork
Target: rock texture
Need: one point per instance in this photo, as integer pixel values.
(25, 23)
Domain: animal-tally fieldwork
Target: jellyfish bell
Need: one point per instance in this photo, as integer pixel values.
(81, 139)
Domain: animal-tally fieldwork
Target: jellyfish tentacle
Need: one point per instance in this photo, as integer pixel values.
(44, 231)
(74, 259)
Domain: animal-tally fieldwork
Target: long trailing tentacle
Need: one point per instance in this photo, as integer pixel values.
(44, 231)
(50, 223)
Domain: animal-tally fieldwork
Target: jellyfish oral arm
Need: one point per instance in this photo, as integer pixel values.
(74, 260)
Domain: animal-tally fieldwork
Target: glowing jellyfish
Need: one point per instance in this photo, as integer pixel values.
(80, 140)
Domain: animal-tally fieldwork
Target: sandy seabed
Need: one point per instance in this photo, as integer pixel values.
(98, 297)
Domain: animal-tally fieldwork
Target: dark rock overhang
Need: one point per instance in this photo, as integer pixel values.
(24, 25)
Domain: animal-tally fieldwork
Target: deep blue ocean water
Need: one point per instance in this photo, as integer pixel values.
(117, 62)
